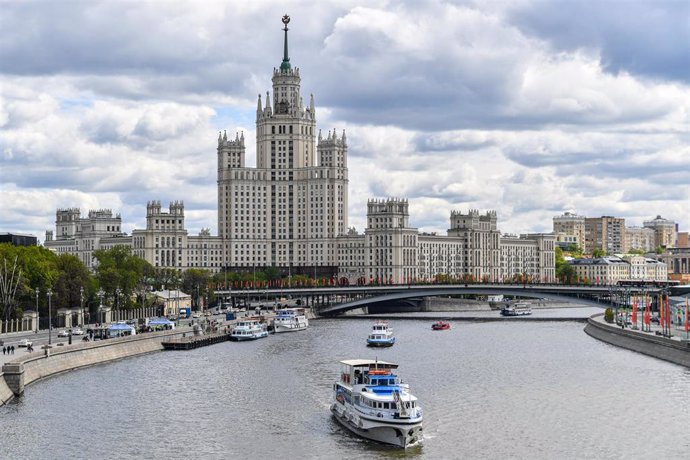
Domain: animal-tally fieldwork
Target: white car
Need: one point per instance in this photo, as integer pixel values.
(77, 331)
(24, 343)
(196, 315)
(63, 334)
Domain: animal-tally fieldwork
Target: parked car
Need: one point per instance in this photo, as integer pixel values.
(63, 334)
(24, 343)
(196, 315)
(77, 331)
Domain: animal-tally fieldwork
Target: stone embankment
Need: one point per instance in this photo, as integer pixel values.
(673, 349)
(30, 368)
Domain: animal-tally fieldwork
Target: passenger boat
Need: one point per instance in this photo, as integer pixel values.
(290, 320)
(518, 309)
(370, 400)
(248, 329)
(381, 335)
(440, 325)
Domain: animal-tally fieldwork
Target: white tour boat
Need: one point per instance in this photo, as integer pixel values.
(370, 400)
(518, 309)
(248, 329)
(381, 335)
(290, 320)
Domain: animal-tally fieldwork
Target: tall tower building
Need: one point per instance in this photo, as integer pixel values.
(288, 211)
(606, 233)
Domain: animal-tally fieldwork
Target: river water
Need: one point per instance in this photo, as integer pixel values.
(489, 390)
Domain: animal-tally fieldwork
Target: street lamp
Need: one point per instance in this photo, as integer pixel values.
(118, 291)
(37, 291)
(100, 295)
(50, 318)
(81, 303)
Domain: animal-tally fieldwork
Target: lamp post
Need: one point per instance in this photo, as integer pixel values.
(50, 318)
(100, 295)
(37, 291)
(81, 303)
(118, 291)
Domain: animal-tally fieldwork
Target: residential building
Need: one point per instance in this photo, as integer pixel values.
(290, 212)
(664, 231)
(639, 238)
(611, 269)
(606, 233)
(570, 228)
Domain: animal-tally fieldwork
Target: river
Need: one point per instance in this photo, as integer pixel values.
(488, 389)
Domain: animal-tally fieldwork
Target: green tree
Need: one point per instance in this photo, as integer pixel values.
(72, 275)
(195, 282)
(38, 271)
(598, 252)
(118, 269)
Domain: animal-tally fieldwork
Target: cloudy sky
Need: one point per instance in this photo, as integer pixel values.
(527, 107)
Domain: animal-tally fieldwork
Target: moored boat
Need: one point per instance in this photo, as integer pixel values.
(440, 326)
(370, 400)
(290, 320)
(381, 335)
(518, 309)
(248, 329)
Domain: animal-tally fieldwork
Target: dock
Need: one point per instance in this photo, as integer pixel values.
(196, 341)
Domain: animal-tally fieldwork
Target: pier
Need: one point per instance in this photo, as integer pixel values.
(195, 341)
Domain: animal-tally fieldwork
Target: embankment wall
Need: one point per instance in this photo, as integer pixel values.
(675, 351)
(62, 359)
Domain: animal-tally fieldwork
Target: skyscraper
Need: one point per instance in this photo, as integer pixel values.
(289, 209)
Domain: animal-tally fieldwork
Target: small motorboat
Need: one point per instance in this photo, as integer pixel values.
(440, 325)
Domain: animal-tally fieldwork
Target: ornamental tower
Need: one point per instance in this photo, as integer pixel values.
(288, 211)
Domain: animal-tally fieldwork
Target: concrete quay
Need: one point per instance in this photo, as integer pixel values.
(27, 368)
(674, 349)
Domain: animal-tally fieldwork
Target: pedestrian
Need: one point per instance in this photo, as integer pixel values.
(3, 350)
(12, 349)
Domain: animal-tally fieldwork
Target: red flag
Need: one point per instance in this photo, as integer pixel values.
(634, 313)
(687, 324)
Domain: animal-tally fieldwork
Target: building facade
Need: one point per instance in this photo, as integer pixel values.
(287, 211)
(611, 270)
(606, 233)
(569, 228)
(665, 231)
(290, 211)
(639, 238)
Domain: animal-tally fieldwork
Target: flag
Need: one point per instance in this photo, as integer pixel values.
(634, 313)
(687, 324)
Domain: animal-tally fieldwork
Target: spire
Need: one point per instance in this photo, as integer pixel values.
(220, 137)
(268, 100)
(344, 138)
(258, 104)
(311, 102)
(225, 135)
(285, 65)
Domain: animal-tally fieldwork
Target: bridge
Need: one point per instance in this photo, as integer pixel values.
(338, 300)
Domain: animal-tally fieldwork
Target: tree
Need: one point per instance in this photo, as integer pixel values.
(118, 269)
(72, 276)
(195, 282)
(39, 270)
(598, 252)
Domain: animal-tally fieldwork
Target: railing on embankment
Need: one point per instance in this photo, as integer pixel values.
(667, 349)
(23, 371)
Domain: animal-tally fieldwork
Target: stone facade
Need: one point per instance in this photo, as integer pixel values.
(291, 212)
(611, 270)
(570, 228)
(606, 233)
(640, 238)
(665, 231)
